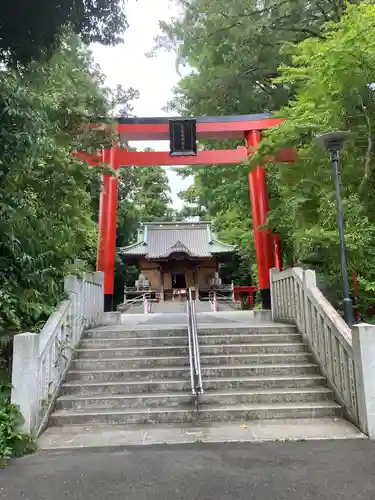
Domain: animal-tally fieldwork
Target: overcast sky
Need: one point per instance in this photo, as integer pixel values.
(127, 65)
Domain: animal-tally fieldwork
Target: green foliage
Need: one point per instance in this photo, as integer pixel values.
(143, 196)
(331, 78)
(13, 443)
(31, 28)
(48, 199)
(234, 50)
(152, 193)
(45, 215)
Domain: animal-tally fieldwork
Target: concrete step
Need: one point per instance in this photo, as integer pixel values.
(266, 396)
(152, 331)
(129, 363)
(255, 359)
(140, 374)
(151, 351)
(252, 348)
(134, 342)
(169, 385)
(207, 413)
(129, 387)
(122, 416)
(152, 400)
(112, 333)
(228, 338)
(115, 343)
(126, 401)
(104, 436)
(257, 370)
(250, 338)
(124, 352)
(184, 372)
(263, 382)
(251, 329)
(272, 411)
(213, 359)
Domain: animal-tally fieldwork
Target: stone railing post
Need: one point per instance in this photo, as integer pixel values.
(363, 337)
(309, 280)
(25, 377)
(72, 288)
(274, 303)
(99, 278)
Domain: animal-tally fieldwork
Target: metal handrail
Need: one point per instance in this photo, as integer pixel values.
(220, 298)
(140, 299)
(135, 300)
(191, 356)
(195, 365)
(199, 386)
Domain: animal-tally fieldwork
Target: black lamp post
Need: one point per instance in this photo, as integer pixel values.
(333, 142)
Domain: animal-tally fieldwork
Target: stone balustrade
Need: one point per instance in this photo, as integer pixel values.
(41, 360)
(346, 356)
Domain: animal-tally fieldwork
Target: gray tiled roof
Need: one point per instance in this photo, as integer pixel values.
(178, 248)
(138, 248)
(162, 240)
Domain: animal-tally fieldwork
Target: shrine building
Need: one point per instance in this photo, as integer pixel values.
(174, 256)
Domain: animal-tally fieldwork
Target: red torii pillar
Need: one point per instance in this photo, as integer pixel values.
(263, 239)
(106, 252)
(106, 249)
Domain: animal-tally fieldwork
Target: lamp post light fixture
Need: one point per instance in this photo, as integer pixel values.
(333, 142)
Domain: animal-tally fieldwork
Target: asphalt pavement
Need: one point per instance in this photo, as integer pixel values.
(269, 471)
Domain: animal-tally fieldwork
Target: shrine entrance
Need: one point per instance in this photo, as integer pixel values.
(184, 135)
(178, 280)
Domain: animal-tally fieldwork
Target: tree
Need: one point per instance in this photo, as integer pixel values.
(234, 50)
(332, 78)
(31, 28)
(152, 193)
(47, 218)
(143, 196)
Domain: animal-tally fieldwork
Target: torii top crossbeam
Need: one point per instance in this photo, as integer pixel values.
(208, 127)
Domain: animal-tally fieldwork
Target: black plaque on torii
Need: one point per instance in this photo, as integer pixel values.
(183, 137)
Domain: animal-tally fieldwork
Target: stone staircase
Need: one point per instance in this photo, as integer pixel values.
(141, 375)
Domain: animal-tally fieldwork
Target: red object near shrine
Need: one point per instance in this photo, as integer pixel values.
(356, 298)
(278, 252)
(247, 127)
(250, 291)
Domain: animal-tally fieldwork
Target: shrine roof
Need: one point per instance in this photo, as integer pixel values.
(160, 240)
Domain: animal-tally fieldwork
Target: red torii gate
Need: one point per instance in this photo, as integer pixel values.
(246, 127)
